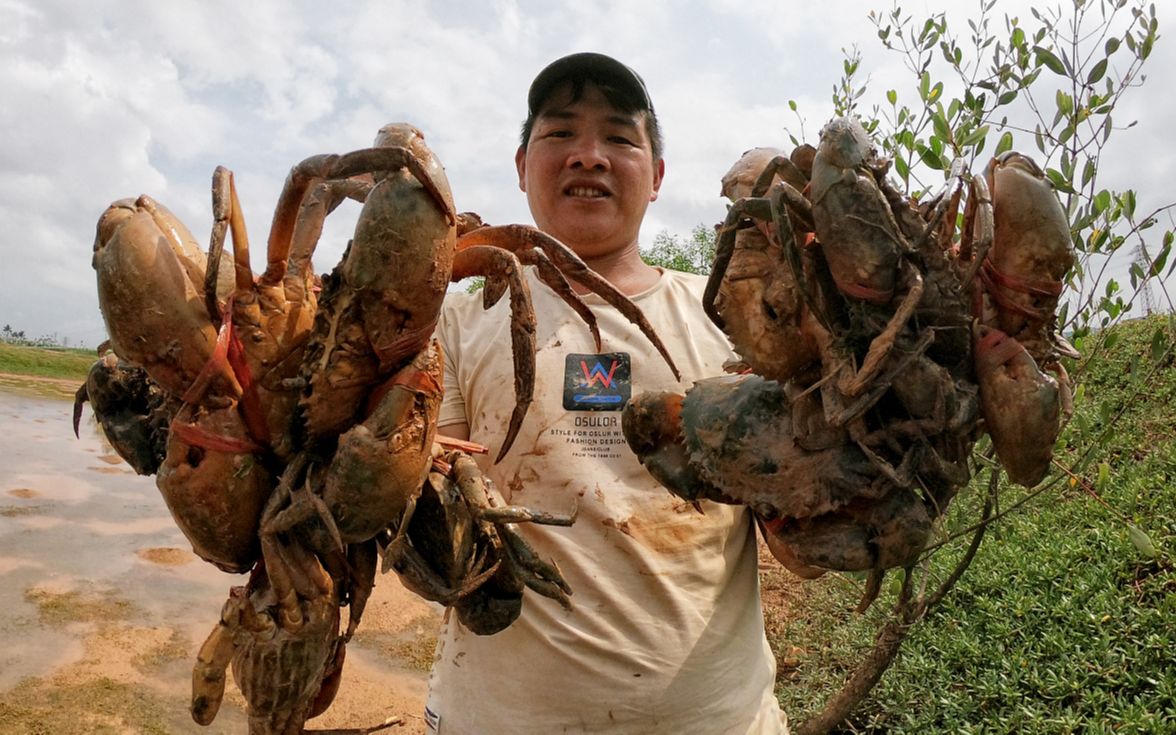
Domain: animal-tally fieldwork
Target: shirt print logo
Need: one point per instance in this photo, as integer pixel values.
(597, 382)
(597, 373)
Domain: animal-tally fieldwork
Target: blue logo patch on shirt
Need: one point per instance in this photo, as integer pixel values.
(597, 382)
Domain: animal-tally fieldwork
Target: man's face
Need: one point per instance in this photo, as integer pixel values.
(588, 172)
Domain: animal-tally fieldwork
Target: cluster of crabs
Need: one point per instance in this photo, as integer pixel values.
(290, 419)
(877, 340)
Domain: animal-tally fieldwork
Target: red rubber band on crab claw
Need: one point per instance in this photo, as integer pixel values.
(995, 349)
(216, 361)
(996, 284)
(414, 380)
(250, 405)
(1024, 285)
(775, 525)
(464, 445)
(407, 345)
(193, 435)
(865, 293)
(229, 350)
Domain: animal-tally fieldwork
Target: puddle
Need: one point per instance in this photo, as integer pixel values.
(103, 605)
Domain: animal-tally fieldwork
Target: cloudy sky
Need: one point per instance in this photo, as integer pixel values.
(104, 100)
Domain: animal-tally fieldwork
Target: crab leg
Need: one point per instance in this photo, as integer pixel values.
(551, 276)
(502, 264)
(882, 344)
(321, 200)
(518, 237)
(977, 220)
(208, 675)
(312, 170)
(541, 576)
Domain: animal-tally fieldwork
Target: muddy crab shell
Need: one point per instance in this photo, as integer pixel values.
(867, 534)
(762, 309)
(492, 607)
(739, 432)
(132, 410)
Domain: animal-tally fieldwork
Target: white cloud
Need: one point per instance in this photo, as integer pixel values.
(111, 99)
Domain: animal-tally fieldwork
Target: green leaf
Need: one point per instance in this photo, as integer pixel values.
(1006, 97)
(901, 167)
(1088, 171)
(1142, 541)
(1157, 265)
(1127, 199)
(1064, 102)
(1005, 143)
(931, 158)
(974, 136)
(891, 96)
(1111, 46)
(895, 586)
(1104, 474)
(1159, 344)
(1046, 58)
(1097, 72)
(940, 124)
(1059, 181)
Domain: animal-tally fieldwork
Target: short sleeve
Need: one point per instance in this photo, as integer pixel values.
(453, 409)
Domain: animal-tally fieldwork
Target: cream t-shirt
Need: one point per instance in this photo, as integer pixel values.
(667, 632)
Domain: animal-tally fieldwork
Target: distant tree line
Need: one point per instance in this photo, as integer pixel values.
(18, 337)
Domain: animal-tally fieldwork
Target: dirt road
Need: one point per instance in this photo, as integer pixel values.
(103, 605)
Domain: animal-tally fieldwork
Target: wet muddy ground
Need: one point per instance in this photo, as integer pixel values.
(103, 605)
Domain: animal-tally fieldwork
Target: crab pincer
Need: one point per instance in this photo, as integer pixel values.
(1022, 405)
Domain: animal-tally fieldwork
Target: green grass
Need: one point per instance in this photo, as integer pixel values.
(1062, 623)
(46, 362)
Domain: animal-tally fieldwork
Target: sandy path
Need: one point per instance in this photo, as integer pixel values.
(103, 605)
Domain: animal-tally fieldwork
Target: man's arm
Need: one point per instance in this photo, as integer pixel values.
(459, 430)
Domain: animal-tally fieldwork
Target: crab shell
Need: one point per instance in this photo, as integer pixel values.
(282, 672)
(1031, 250)
(382, 463)
(763, 311)
(866, 534)
(216, 495)
(150, 289)
(133, 411)
(854, 222)
(1022, 405)
(380, 305)
(741, 436)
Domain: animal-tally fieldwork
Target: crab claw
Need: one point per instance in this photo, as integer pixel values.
(652, 424)
(1021, 405)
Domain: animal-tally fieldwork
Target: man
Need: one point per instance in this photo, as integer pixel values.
(667, 631)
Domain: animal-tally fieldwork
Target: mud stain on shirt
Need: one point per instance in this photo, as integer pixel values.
(664, 538)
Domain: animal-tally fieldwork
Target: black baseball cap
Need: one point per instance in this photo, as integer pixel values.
(590, 66)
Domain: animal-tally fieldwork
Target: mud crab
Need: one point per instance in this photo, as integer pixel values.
(871, 353)
(456, 546)
(300, 424)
